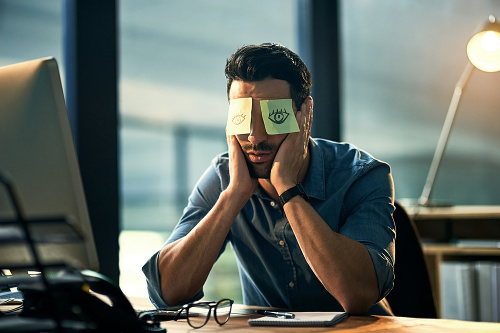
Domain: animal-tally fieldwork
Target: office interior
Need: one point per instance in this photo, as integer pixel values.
(146, 95)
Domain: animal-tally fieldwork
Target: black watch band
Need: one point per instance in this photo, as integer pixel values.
(292, 192)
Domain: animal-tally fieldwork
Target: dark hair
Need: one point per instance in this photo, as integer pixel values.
(258, 62)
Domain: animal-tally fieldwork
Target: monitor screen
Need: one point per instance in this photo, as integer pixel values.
(37, 154)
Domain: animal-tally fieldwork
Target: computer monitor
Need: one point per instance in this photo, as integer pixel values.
(37, 154)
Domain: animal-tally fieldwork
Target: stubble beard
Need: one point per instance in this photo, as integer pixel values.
(259, 170)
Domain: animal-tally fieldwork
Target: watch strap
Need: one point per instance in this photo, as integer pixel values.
(291, 193)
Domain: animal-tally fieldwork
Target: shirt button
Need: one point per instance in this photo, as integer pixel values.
(273, 203)
(282, 242)
(291, 284)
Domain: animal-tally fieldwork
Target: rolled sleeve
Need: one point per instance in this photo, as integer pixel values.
(150, 270)
(370, 222)
(384, 269)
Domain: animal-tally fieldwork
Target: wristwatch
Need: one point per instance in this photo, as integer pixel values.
(292, 192)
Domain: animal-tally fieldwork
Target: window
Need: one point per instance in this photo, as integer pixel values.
(30, 30)
(173, 112)
(401, 61)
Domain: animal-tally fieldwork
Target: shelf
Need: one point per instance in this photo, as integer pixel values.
(454, 250)
(442, 227)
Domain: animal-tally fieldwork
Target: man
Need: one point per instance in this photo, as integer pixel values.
(326, 244)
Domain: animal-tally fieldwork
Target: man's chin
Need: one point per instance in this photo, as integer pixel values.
(259, 170)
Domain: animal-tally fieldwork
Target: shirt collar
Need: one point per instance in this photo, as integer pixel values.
(314, 182)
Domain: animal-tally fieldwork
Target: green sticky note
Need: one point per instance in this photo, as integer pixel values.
(278, 116)
(239, 116)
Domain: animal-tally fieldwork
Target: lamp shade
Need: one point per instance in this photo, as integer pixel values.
(483, 48)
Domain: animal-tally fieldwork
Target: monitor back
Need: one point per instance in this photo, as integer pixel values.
(37, 154)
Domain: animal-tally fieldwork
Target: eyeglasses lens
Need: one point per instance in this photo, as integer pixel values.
(223, 311)
(198, 315)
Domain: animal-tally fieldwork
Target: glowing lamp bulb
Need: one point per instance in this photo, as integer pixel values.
(490, 41)
(484, 48)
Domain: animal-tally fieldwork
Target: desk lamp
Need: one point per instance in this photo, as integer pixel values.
(483, 51)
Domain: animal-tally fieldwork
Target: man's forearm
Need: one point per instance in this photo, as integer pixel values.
(185, 264)
(343, 265)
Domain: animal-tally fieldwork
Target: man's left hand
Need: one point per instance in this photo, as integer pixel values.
(289, 162)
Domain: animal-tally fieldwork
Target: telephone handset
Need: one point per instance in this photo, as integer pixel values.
(102, 285)
(73, 299)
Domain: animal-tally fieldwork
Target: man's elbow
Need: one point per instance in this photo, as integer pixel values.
(174, 296)
(174, 291)
(360, 302)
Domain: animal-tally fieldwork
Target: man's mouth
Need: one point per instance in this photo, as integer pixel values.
(259, 157)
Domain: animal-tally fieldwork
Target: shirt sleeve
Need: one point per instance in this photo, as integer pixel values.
(150, 270)
(201, 200)
(368, 219)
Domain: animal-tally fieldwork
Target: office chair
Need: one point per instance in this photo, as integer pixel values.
(412, 292)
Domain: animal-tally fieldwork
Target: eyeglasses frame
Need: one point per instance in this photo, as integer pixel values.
(211, 305)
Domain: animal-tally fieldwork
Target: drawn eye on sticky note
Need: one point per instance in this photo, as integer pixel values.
(239, 116)
(278, 116)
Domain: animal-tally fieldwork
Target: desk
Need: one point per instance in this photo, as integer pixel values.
(443, 224)
(462, 212)
(354, 324)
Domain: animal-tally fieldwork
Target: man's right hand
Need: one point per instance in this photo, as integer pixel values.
(241, 184)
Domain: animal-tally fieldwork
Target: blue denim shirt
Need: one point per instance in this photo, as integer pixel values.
(353, 193)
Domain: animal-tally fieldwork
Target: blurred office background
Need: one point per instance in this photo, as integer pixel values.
(399, 63)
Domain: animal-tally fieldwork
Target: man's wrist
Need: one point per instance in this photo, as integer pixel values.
(234, 198)
(291, 193)
(283, 186)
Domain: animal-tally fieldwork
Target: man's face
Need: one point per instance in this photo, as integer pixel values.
(259, 147)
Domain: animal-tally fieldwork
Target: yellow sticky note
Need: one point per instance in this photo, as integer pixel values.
(239, 116)
(278, 116)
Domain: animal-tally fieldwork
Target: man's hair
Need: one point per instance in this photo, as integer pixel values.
(258, 62)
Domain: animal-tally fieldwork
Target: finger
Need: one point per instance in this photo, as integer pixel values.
(304, 123)
(232, 149)
(309, 117)
(307, 122)
(233, 144)
(305, 111)
(228, 139)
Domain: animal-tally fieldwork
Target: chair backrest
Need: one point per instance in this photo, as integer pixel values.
(412, 292)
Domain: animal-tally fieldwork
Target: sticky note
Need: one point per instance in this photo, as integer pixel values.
(278, 116)
(239, 116)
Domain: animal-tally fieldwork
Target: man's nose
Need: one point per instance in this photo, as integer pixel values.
(258, 132)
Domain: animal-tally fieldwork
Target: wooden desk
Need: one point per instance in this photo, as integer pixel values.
(444, 224)
(456, 212)
(354, 324)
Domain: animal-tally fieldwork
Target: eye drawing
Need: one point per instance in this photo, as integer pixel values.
(278, 116)
(238, 119)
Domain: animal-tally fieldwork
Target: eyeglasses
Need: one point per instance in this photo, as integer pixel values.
(198, 313)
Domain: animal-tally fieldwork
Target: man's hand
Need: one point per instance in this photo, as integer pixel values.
(241, 185)
(289, 163)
